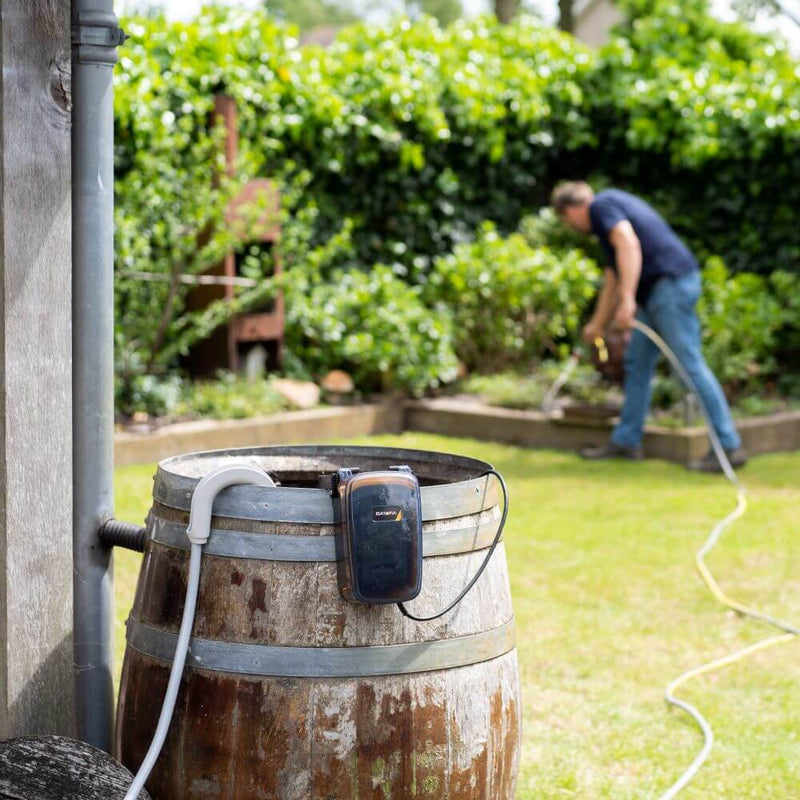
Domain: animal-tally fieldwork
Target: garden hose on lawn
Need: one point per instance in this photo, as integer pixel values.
(789, 631)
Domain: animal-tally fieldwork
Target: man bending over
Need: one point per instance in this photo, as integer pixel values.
(652, 276)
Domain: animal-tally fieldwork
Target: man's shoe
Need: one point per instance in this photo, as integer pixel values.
(710, 463)
(612, 450)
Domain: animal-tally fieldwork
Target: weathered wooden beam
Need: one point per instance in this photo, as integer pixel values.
(35, 369)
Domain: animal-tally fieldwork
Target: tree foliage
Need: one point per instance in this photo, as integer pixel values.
(703, 116)
(512, 303)
(412, 135)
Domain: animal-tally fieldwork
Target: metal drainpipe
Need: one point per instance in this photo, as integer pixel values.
(95, 37)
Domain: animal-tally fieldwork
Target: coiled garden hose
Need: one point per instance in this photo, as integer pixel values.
(790, 631)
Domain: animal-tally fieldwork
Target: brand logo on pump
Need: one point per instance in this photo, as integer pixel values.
(387, 514)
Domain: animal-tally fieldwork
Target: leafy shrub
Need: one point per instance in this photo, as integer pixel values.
(756, 405)
(230, 397)
(372, 325)
(226, 397)
(512, 303)
(153, 395)
(507, 389)
(785, 287)
(740, 320)
(527, 391)
(666, 389)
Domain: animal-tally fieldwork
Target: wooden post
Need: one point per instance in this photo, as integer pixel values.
(36, 694)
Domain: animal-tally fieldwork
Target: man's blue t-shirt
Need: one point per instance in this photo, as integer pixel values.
(663, 253)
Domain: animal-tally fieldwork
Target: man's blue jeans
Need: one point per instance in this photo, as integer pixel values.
(670, 311)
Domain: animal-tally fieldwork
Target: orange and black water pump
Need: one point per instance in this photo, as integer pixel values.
(379, 534)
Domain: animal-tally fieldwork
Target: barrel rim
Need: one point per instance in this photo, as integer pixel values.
(326, 449)
(313, 506)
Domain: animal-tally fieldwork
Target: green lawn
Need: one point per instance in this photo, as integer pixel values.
(609, 609)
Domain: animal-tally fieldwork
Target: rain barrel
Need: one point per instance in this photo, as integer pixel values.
(289, 691)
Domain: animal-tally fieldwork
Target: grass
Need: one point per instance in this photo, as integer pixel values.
(609, 609)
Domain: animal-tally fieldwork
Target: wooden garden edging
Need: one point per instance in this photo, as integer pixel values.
(291, 427)
(769, 434)
(445, 416)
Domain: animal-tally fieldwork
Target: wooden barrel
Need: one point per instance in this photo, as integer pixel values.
(57, 768)
(292, 693)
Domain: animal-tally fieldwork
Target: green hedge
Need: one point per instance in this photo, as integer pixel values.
(419, 134)
(414, 136)
(703, 117)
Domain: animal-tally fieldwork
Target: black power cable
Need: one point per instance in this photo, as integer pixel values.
(407, 613)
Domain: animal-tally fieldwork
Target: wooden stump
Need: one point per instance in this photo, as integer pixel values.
(57, 768)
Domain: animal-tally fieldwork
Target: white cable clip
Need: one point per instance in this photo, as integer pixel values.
(206, 492)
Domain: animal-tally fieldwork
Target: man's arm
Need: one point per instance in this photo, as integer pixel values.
(604, 308)
(628, 252)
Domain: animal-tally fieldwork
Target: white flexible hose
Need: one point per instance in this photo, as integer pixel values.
(741, 506)
(198, 532)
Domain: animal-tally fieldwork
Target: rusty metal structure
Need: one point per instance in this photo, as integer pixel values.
(224, 348)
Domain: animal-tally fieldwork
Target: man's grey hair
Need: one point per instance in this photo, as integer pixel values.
(571, 193)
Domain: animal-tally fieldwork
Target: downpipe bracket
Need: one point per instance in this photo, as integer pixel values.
(96, 35)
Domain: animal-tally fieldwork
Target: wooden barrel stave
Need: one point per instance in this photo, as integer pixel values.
(442, 734)
(279, 603)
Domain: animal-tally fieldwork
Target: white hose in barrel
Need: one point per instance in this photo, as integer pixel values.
(198, 532)
(790, 631)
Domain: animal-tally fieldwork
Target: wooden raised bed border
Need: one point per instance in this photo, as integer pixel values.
(769, 434)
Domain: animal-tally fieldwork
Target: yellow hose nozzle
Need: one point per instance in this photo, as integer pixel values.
(602, 350)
